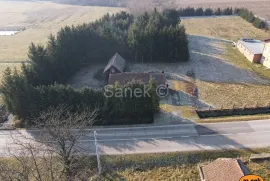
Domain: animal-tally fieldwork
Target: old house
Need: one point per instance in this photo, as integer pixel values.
(116, 65)
(265, 60)
(251, 48)
(124, 78)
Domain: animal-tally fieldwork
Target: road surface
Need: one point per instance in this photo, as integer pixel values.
(189, 137)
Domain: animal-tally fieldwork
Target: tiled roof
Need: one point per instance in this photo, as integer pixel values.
(124, 78)
(223, 169)
(116, 61)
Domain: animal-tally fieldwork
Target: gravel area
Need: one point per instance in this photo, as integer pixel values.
(206, 63)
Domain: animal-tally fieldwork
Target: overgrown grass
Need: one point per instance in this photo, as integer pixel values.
(229, 95)
(173, 166)
(230, 27)
(234, 118)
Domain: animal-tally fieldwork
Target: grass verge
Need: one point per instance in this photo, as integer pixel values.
(234, 118)
(174, 166)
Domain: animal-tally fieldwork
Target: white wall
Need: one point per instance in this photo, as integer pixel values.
(265, 60)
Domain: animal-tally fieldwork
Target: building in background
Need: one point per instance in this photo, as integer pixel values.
(265, 60)
(251, 48)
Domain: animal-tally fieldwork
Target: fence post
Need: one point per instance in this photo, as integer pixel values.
(97, 153)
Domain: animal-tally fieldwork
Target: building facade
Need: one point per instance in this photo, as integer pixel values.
(265, 60)
(251, 49)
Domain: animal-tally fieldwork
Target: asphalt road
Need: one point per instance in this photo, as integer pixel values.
(190, 137)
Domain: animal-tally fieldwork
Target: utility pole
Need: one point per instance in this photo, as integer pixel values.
(97, 153)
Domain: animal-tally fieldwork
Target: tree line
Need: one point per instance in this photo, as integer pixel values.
(191, 11)
(151, 37)
(27, 102)
(242, 12)
(251, 18)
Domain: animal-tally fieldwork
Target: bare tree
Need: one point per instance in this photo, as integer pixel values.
(55, 152)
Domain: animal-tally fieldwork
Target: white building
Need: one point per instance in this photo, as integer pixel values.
(265, 60)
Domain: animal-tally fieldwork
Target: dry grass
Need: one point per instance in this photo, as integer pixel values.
(233, 55)
(226, 95)
(40, 20)
(173, 166)
(185, 112)
(231, 27)
(234, 118)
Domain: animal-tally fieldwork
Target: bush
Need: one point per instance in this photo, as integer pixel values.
(27, 102)
(249, 16)
(189, 11)
(153, 38)
(199, 12)
(208, 12)
(227, 11)
(218, 12)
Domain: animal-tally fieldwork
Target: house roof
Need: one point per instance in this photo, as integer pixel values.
(124, 78)
(267, 40)
(116, 61)
(254, 46)
(223, 169)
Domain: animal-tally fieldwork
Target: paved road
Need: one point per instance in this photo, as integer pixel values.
(191, 137)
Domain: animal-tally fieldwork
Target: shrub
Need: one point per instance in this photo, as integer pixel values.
(199, 12)
(208, 12)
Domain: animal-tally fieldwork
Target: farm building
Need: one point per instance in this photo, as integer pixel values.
(124, 78)
(251, 48)
(223, 169)
(116, 65)
(265, 60)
